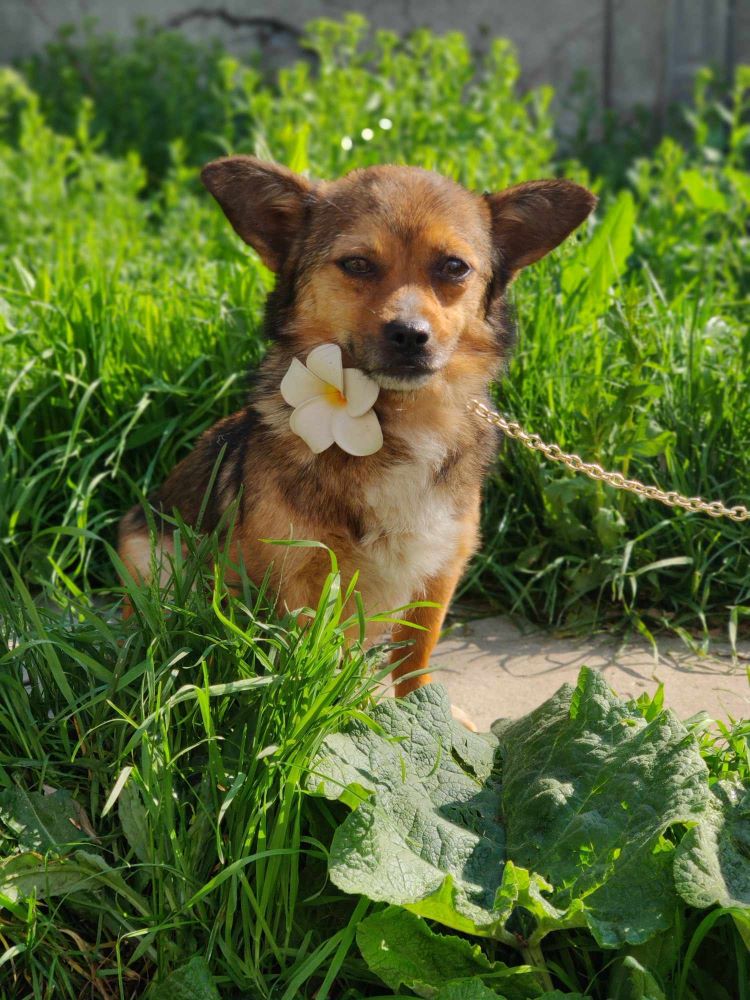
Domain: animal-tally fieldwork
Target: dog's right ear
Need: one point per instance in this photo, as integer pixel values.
(265, 202)
(529, 220)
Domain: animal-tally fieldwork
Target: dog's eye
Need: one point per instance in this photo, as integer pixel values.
(359, 266)
(453, 268)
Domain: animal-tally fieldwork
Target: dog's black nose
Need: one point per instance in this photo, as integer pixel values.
(407, 338)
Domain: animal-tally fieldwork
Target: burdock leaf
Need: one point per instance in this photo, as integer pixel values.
(468, 989)
(520, 887)
(30, 875)
(42, 822)
(632, 981)
(589, 787)
(192, 981)
(134, 821)
(474, 989)
(82, 871)
(712, 861)
(429, 836)
(400, 948)
(559, 995)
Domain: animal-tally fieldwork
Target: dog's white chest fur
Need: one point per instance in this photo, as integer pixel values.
(415, 527)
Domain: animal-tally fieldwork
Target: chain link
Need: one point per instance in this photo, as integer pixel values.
(554, 453)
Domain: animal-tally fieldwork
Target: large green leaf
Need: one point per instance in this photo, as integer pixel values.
(589, 787)
(712, 862)
(559, 995)
(632, 981)
(82, 871)
(133, 819)
(430, 836)
(30, 875)
(520, 887)
(474, 989)
(601, 260)
(400, 948)
(703, 190)
(468, 989)
(42, 822)
(192, 981)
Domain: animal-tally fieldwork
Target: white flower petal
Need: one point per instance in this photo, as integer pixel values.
(299, 384)
(325, 362)
(357, 435)
(313, 423)
(360, 391)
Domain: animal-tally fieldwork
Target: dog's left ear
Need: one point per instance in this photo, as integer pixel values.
(265, 202)
(529, 220)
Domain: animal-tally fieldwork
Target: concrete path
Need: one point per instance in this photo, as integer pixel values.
(493, 667)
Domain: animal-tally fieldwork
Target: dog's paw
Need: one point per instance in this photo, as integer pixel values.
(460, 716)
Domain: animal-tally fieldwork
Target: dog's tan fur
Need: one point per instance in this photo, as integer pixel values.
(406, 518)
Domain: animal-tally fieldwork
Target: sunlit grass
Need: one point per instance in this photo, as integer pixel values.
(129, 314)
(128, 324)
(186, 735)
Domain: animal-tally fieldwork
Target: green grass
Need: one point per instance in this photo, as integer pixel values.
(185, 740)
(129, 314)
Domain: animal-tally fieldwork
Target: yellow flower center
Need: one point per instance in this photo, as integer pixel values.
(334, 396)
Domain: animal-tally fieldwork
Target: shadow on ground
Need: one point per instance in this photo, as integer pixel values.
(492, 667)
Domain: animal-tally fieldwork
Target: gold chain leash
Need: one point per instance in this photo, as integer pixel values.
(555, 454)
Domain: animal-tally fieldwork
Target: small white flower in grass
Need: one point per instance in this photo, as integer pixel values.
(332, 404)
(385, 124)
(367, 134)
(346, 143)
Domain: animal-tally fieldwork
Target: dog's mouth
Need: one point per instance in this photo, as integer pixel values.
(402, 381)
(402, 374)
(403, 378)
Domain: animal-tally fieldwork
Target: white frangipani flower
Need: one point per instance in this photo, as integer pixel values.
(332, 403)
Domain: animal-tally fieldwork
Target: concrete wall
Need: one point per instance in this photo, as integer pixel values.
(633, 51)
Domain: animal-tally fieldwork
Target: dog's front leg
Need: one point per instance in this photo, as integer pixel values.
(438, 590)
(417, 656)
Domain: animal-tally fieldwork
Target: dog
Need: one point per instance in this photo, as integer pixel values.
(406, 272)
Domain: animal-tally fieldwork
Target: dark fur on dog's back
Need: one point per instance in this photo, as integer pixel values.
(432, 262)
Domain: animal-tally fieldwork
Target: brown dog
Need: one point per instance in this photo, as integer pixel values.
(406, 271)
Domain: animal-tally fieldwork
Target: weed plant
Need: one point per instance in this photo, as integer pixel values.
(129, 314)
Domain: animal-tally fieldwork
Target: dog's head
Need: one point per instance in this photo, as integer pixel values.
(401, 267)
